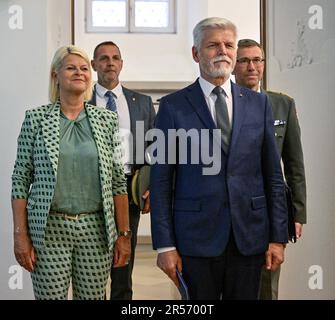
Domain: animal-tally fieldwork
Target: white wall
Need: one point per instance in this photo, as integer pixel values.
(244, 13)
(25, 58)
(162, 57)
(148, 57)
(312, 87)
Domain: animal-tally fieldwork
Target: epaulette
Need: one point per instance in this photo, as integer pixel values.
(280, 93)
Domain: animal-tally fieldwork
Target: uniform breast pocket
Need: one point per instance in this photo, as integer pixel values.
(280, 131)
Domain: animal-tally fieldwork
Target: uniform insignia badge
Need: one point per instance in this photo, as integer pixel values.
(279, 122)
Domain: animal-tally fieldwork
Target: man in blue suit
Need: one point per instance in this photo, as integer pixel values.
(218, 229)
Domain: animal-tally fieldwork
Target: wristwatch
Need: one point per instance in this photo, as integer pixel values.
(126, 234)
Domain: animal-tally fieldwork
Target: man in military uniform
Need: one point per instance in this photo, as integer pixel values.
(248, 73)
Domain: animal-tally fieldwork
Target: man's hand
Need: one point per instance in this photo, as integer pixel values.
(24, 251)
(122, 252)
(146, 196)
(168, 262)
(298, 229)
(274, 257)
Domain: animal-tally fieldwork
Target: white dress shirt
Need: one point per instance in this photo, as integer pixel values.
(124, 120)
(211, 97)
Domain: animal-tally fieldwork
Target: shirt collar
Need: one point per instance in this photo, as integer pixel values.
(101, 91)
(208, 87)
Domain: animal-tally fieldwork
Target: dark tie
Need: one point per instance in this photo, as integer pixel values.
(222, 117)
(111, 105)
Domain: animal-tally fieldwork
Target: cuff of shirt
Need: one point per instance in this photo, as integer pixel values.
(165, 249)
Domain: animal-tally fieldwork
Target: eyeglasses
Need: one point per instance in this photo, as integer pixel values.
(246, 61)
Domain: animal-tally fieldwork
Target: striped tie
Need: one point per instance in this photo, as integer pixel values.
(111, 105)
(222, 117)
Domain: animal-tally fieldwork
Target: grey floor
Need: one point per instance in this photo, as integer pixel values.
(149, 282)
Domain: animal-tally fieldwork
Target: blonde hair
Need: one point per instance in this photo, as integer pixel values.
(57, 63)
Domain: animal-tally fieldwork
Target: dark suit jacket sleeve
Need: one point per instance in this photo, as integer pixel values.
(161, 185)
(274, 183)
(293, 160)
(140, 109)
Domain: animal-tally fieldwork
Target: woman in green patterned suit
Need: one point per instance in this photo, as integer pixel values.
(69, 194)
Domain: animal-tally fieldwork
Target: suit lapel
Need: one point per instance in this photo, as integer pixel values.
(50, 133)
(98, 129)
(93, 100)
(239, 105)
(199, 103)
(196, 98)
(134, 110)
(135, 114)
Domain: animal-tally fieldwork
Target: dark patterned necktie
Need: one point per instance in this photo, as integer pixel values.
(222, 117)
(111, 105)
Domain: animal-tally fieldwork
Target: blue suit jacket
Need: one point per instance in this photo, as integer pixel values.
(196, 212)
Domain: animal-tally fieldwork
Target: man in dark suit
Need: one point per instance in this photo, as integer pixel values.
(216, 227)
(248, 73)
(136, 116)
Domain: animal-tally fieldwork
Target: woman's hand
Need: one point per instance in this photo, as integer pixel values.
(122, 252)
(24, 251)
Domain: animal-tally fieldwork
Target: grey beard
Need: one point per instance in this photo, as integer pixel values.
(215, 73)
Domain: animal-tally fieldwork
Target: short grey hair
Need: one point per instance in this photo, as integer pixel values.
(213, 22)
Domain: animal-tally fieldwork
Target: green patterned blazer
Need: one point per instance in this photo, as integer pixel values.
(35, 170)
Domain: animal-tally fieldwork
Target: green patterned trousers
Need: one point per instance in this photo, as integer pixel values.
(75, 251)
